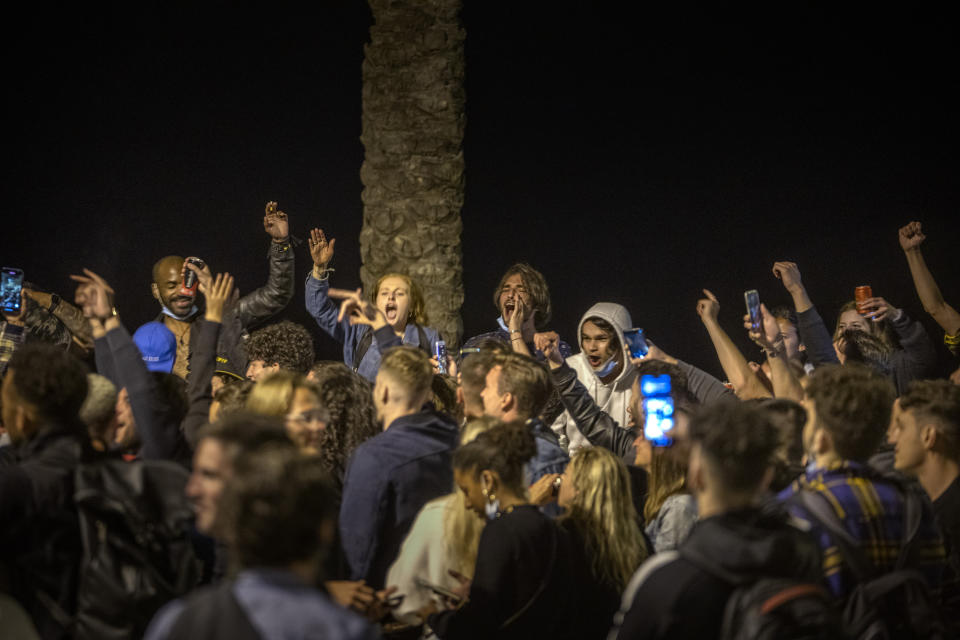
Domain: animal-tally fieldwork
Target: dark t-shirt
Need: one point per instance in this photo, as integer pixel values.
(946, 508)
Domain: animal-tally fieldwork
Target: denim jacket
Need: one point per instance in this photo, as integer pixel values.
(388, 480)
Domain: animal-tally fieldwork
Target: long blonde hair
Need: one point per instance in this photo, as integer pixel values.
(461, 527)
(668, 476)
(602, 510)
(273, 395)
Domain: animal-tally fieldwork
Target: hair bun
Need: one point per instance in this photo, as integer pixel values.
(514, 441)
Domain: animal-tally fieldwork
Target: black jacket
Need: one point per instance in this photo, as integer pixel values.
(252, 309)
(672, 596)
(39, 534)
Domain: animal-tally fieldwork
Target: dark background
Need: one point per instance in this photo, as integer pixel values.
(635, 158)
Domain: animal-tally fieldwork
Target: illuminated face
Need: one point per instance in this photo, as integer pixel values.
(850, 319)
(598, 345)
(393, 300)
(905, 434)
(791, 338)
(259, 369)
(470, 485)
(206, 483)
(168, 289)
(306, 420)
(512, 290)
(492, 405)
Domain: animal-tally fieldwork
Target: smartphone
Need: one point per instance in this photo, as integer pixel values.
(10, 287)
(657, 409)
(752, 298)
(636, 342)
(437, 589)
(190, 280)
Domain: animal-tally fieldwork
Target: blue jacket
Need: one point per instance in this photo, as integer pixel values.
(325, 312)
(389, 478)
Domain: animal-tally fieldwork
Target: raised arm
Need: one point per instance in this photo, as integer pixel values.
(738, 372)
(271, 298)
(813, 332)
(785, 383)
(911, 237)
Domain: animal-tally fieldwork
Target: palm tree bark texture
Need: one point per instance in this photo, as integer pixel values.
(413, 170)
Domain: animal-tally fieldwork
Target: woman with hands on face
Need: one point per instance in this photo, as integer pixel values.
(397, 315)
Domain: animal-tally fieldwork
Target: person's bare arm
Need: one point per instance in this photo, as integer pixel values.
(911, 237)
(735, 366)
(785, 383)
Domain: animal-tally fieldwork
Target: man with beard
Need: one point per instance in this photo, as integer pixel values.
(179, 311)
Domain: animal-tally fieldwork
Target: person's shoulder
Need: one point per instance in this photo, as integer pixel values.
(337, 622)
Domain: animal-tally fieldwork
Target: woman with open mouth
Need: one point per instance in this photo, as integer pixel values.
(396, 316)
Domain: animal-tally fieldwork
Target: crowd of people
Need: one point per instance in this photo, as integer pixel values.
(207, 477)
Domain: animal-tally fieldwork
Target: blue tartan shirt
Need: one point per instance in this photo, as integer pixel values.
(872, 509)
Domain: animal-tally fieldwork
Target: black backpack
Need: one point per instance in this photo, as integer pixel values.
(882, 606)
(769, 608)
(135, 524)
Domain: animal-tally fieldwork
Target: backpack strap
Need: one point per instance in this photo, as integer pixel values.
(822, 512)
(363, 345)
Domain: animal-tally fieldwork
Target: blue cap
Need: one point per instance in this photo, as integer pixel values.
(157, 345)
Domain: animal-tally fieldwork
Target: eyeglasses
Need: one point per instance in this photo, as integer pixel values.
(312, 415)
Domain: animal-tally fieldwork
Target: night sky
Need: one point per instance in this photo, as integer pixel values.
(633, 158)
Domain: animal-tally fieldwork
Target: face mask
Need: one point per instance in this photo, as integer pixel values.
(503, 325)
(189, 314)
(607, 368)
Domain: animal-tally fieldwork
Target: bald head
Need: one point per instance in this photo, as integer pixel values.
(166, 286)
(163, 266)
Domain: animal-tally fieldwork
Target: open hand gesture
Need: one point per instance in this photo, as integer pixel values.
(911, 236)
(320, 250)
(218, 295)
(358, 310)
(275, 223)
(94, 295)
(709, 307)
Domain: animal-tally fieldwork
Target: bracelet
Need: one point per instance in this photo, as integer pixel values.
(513, 331)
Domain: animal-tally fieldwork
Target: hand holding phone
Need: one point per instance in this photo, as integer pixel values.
(636, 342)
(752, 300)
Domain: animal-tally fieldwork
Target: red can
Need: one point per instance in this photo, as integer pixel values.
(861, 295)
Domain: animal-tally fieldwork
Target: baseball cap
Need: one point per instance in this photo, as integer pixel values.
(158, 346)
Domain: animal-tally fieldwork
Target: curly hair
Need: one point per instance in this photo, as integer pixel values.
(536, 286)
(348, 399)
(853, 404)
(285, 343)
(505, 449)
(867, 349)
(418, 304)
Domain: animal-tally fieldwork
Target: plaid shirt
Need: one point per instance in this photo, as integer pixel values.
(872, 510)
(11, 337)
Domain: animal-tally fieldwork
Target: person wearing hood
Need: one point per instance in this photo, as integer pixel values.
(603, 368)
(730, 467)
(180, 313)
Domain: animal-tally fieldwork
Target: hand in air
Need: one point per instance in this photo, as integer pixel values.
(204, 275)
(357, 309)
(93, 295)
(275, 222)
(218, 296)
(911, 236)
(708, 308)
(320, 250)
(548, 343)
(769, 335)
(20, 317)
(788, 273)
(880, 309)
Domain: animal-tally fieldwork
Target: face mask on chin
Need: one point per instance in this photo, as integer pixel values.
(193, 310)
(607, 368)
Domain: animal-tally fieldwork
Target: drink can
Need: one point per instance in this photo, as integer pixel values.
(860, 295)
(440, 353)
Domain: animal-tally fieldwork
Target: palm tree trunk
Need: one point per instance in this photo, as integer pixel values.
(412, 173)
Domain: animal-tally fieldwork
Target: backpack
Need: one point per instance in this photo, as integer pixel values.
(135, 524)
(771, 608)
(897, 604)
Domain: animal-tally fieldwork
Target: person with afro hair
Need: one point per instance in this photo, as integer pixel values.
(284, 345)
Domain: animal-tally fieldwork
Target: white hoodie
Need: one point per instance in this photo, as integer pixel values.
(612, 398)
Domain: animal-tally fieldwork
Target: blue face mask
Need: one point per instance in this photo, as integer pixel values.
(190, 314)
(608, 368)
(503, 325)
